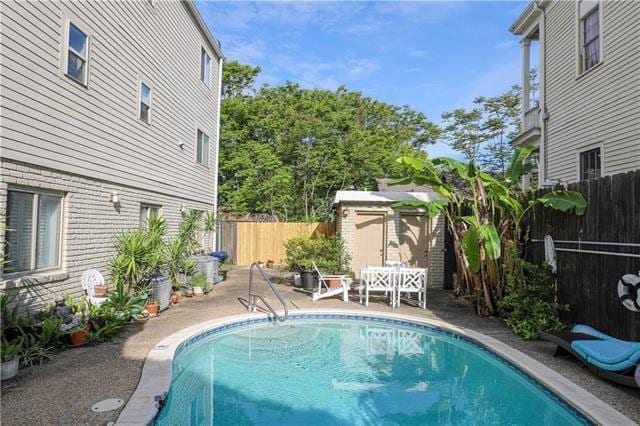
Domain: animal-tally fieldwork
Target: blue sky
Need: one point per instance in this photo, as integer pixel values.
(434, 56)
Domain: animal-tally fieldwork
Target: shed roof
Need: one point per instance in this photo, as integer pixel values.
(381, 196)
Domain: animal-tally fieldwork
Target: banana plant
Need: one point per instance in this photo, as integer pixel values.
(485, 214)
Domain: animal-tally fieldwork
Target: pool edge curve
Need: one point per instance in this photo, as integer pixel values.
(157, 371)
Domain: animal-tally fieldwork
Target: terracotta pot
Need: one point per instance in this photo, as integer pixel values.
(79, 338)
(174, 298)
(100, 290)
(153, 308)
(269, 264)
(334, 282)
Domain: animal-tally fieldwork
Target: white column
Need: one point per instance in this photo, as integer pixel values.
(526, 66)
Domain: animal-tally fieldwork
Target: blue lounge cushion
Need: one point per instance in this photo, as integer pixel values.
(609, 353)
(585, 329)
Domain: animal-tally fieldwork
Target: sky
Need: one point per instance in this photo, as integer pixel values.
(433, 55)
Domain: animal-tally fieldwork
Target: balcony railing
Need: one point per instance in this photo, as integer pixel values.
(531, 119)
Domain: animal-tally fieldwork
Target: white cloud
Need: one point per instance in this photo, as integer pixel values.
(505, 44)
(419, 53)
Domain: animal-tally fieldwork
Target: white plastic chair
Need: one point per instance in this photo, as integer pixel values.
(378, 279)
(90, 279)
(412, 280)
(324, 290)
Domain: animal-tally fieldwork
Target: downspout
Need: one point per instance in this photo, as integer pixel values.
(543, 91)
(216, 242)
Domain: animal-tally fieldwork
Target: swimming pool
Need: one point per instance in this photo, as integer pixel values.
(350, 369)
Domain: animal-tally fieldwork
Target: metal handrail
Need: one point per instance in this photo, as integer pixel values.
(579, 243)
(253, 298)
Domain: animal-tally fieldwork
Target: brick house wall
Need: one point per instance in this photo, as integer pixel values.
(90, 223)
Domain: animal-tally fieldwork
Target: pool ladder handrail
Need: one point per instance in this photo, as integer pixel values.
(253, 298)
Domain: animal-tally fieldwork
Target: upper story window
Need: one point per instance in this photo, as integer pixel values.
(33, 230)
(77, 54)
(205, 67)
(590, 34)
(144, 110)
(202, 149)
(590, 164)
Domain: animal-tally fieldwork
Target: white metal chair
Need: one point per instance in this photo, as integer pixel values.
(412, 280)
(325, 290)
(90, 279)
(378, 279)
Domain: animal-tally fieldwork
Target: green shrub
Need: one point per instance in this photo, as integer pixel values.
(10, 350)
(199, 280)
(329, 254)
(530, 304)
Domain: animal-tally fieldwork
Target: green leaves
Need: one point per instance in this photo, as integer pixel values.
(490, 240)
(433, 208)
(517, 168)
(565, 201)
(471, 248)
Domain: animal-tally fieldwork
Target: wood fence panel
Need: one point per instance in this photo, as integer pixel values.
(588, 282)
(261, 241)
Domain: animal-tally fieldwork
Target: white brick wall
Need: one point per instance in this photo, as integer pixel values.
(90, 223)
(345, 227)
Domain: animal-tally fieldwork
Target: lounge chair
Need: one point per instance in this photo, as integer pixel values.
(613, 359)
(325, 289)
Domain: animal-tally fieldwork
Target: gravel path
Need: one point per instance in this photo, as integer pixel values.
(63, 390)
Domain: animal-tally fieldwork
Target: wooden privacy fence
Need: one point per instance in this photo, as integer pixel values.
(248, 242)
(588, 282)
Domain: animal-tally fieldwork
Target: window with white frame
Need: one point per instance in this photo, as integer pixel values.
(33, 231)
(590, 34)
(148, 211)
(202, 148)
(205, 67)
(77, 54)
(144, 110)
(590, 164)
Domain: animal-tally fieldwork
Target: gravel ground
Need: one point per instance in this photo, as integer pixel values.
(63, 390)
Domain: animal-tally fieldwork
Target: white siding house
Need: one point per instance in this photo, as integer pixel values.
(109, 113)
(586, 120)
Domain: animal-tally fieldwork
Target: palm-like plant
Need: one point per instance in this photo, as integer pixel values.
(485, 216)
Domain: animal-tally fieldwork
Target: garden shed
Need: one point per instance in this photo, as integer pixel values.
(375, 233)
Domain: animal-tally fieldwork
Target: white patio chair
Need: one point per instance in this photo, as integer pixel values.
(90, 279)
(412, 280)
(325, 290)
(379, 279)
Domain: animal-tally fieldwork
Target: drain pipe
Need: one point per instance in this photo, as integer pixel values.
(543, 90)
(215, 242)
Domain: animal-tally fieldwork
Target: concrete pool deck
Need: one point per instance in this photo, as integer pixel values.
(63, 390)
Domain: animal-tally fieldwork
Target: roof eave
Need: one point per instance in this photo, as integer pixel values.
(527, 17)
(204, 28)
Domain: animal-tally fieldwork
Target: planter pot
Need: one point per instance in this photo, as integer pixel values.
(334, 282)
(100, 291)
(79, 338)
(269, 264)
(197, 290)
(174, 298)
(189, 293)
(309, 280)
(9, 369)
(153, 308)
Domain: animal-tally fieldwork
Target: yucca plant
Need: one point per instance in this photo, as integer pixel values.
(208, 226)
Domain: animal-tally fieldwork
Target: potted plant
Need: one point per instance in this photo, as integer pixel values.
(77, 330)
(270, 264)
(334, 260)
(153, 307)
(301, 253)
(199, 283)
(10, 358)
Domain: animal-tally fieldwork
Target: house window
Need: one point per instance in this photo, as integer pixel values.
(590, 164)
(145, 103)
(590, 35)
(147, 212)
(202, 149)
(34, 224)
(77, 54)
(205, 67)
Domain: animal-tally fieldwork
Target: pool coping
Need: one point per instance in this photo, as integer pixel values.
(157, 371)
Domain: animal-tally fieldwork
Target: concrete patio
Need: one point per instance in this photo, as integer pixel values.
(63, 390)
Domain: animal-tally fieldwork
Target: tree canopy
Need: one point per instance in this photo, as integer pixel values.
(286, 150)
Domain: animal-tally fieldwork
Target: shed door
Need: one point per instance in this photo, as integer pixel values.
(414, 240)
(369, 241)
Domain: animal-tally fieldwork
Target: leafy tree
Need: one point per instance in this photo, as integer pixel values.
(502, 124)
(465, 130)
(238, 78)
(286, 150)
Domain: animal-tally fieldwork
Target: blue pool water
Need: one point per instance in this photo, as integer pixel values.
(350, 372)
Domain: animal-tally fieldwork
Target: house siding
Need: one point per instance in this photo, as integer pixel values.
(346, 229)
(50, 120)
(87, 142)
(600, 107)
